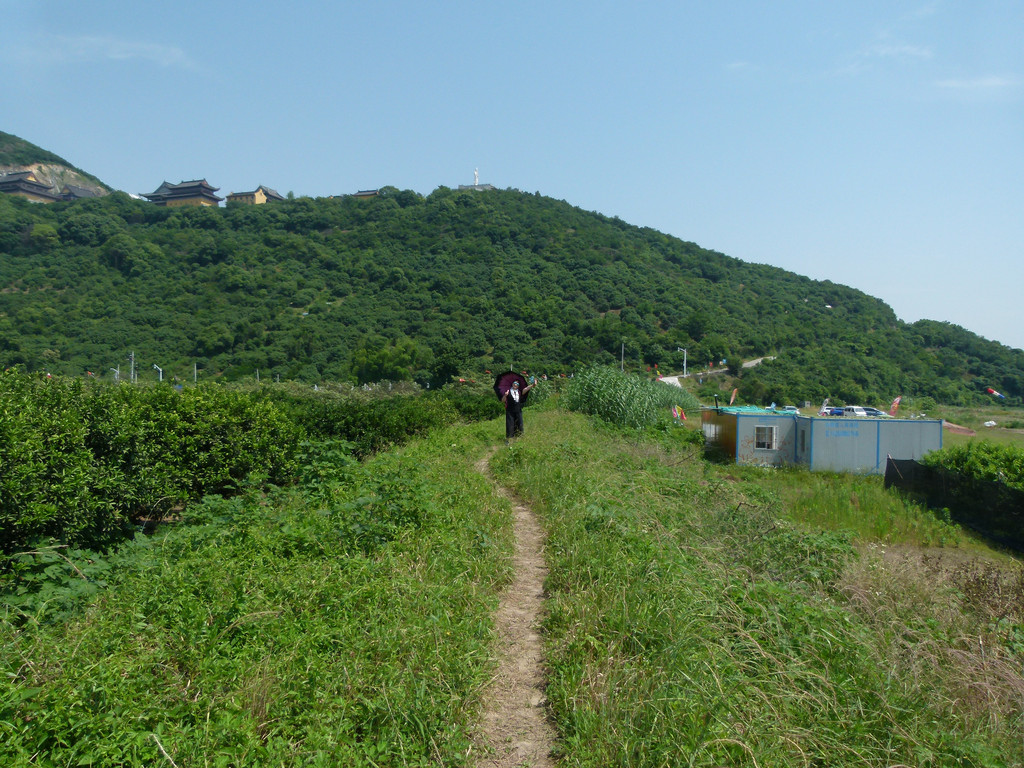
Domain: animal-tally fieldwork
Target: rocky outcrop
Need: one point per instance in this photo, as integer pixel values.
(56, 176)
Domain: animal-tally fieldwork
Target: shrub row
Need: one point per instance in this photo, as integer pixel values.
(80, 462)
(370, 424)
(982, 460)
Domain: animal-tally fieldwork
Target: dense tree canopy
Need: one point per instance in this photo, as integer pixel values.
(402, 286)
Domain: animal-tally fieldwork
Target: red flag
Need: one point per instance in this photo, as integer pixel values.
(895, 405)
(733, 398)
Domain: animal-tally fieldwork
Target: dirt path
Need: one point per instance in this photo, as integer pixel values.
(514, 731)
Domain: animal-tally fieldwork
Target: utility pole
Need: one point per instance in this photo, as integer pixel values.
(117, 374)
(131, 369)
(680, 349)
(622, 359)
(159, 370)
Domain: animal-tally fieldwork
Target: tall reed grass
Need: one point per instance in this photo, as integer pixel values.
(624, 399)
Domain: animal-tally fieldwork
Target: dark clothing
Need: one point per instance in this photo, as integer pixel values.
(513, 415)
(513, 419)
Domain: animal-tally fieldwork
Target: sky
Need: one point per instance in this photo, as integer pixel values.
(877, 144)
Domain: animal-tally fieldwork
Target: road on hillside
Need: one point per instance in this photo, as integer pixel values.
(674, 379)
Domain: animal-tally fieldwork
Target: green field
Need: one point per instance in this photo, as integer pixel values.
(697, 614)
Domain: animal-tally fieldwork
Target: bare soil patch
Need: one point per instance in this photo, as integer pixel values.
(958, 429)
(514, 730)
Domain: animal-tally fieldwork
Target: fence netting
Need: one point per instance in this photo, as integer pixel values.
(993, 509)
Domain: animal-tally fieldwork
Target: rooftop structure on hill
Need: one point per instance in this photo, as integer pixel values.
(196, 192)
(476, 186)
(71, 192)
(25, 184)
(258, 196)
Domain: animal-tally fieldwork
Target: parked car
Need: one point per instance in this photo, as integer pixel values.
(855, 410)
(790, 409)
(837, 411)
(874, 412)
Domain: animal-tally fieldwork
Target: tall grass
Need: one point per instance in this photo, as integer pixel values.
(857, 504)
(691, 624)
(624, 399)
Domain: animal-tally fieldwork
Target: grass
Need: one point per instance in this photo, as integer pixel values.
(698, 615)
(697, 619)
(856, 504)
(1009, 429)
(280, 630)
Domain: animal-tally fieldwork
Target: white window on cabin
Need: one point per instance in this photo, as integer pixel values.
(765, 438)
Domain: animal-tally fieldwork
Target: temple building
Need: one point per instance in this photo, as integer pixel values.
(196, 192)
(258, 196)
(71, 192)
(25, 184)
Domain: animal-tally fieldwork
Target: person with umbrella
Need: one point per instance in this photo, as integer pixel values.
(512, 389)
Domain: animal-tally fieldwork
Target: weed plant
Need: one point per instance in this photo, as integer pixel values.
(690, 623)
(342, 622)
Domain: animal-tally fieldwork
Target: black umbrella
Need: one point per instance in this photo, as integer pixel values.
(503, 383)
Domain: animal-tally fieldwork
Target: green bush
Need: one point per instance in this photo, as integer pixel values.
(982, 460)
(79, 462)
(371, 424)
(472, 404)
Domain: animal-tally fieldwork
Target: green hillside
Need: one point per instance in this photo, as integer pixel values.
(15, 152)
(403, 286)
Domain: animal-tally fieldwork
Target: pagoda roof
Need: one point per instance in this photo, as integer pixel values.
(271, 194)
(184, 189)
(25, 182)
(72, 192)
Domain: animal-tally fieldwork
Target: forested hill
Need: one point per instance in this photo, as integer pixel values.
(402, 286)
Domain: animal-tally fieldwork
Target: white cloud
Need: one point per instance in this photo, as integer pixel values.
(887, 50)
(86, 48)
(986, 84)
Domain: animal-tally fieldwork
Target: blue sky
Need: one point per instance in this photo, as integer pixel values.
(876, 144)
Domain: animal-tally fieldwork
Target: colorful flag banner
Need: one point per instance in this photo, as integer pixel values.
(894, 405)
(994, 393)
